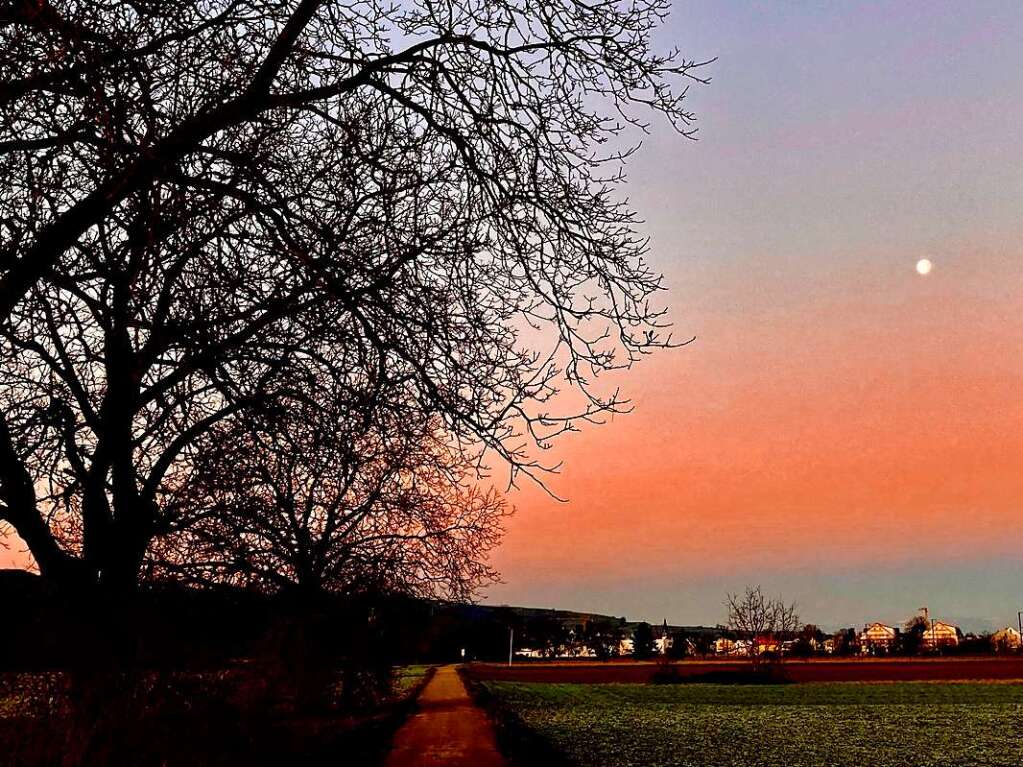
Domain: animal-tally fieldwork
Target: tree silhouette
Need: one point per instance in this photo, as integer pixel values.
(642, 641)
(344, 490)
(201, 194)
(757, 618)
(912, 638)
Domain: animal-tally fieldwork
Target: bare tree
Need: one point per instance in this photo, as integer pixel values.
(758, 619)
(197, 189)
(335, 488)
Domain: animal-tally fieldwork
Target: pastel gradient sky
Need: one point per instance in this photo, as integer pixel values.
(843, 431)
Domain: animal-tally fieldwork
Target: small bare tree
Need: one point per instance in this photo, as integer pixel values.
(343, 491)
(755, 617)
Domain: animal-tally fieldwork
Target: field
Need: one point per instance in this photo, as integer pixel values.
(838, 670)
(820, 725)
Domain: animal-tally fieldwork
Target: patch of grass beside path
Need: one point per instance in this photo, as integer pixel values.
(832, 725)
(409, 680)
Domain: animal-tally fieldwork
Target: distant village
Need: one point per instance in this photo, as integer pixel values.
(552, 634)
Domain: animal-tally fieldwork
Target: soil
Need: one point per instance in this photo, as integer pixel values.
(851, 670)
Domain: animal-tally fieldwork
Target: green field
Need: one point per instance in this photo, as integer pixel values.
(819, 725)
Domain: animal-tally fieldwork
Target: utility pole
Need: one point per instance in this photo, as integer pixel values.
(511, 644)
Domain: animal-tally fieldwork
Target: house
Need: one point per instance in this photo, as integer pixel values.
(528, 652)
(767, 643)
(724, 646)
(662, 639)
(1006, 640)
(580, 652)
(940, 634)
(878, 639)
(662, 643)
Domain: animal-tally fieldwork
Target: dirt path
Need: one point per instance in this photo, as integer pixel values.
(447, 729)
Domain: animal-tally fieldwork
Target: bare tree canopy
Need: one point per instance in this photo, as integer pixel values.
(349, 492)
(757, 618)
(198, 191)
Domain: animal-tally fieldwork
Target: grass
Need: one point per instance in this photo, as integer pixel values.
(833, 725)
(407, 679)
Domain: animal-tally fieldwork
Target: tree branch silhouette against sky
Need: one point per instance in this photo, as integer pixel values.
(205, 195)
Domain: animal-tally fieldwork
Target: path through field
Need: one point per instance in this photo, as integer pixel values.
(448, 728)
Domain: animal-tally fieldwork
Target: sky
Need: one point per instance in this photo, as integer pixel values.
(844, 431)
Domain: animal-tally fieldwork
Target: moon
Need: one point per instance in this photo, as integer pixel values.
(923, 266)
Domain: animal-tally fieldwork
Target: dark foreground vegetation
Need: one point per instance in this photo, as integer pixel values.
(248, 713)
(171, 675)
(216, 677)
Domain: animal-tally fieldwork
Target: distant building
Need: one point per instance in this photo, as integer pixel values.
(529, 652)
(878, 639)
(939, 634)
(724, 646)
(662, 638)
(577, 650)
(1006, 640)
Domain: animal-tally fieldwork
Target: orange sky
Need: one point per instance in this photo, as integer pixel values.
(844, 430)
(820, 428)
(821, 423)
